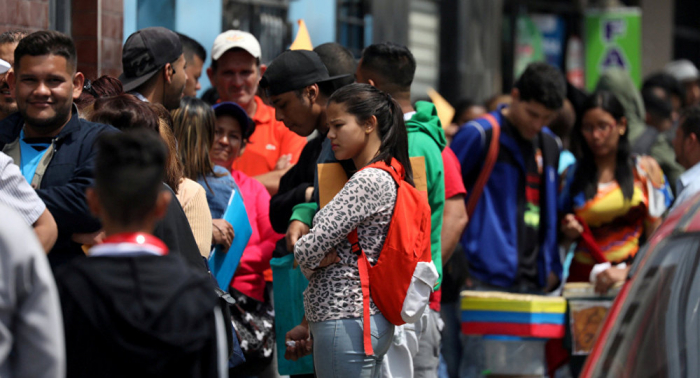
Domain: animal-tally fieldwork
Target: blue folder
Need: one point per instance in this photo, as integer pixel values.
(222, 263)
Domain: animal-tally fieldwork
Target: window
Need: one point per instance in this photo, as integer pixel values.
(155, 13)
(686, 34)
(352, 26)
(60, 16)
(265, 19)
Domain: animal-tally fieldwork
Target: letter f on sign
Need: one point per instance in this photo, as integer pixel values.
(612, 29)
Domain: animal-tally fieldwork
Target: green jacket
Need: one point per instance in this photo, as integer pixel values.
(619, 82)
(426, 138)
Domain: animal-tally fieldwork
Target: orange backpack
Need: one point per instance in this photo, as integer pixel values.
(401, 281)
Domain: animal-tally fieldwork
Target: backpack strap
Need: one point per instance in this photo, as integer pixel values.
(490, 161)
(588, 241)
(395, 170)
(363, 267)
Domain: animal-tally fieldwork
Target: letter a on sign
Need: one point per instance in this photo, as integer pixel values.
(614, 58)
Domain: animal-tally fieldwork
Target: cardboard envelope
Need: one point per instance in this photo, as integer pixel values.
(332, 178)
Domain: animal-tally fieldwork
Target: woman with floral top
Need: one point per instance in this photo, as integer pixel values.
(366, 126)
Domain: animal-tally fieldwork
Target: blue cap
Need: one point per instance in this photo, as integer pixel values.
(235, 110)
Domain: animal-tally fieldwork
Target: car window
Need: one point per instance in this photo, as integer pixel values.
(657, 333)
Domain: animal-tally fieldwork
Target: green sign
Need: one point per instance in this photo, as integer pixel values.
(613, 39)
(528, 45)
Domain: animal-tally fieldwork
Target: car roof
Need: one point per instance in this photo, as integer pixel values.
(685, 218)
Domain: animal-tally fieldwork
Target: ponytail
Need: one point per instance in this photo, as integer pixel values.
(364, 101)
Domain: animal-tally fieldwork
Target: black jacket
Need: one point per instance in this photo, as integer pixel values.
(293, 185)
(67, 176)
(137, 316)
(63, 186)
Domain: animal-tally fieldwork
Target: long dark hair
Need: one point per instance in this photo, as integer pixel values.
(586, 175)
(364, 101)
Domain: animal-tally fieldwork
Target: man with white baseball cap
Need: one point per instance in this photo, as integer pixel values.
(235, 72)
(687, 74)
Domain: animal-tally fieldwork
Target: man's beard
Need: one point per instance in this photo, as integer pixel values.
(172, 101)
(47, 125)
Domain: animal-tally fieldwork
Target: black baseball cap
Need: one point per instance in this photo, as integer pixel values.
(145, 52)
(295, 69)
(237, 112)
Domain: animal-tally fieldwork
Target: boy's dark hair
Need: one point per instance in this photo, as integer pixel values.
(211, 96)
(666, 82)
(544, 84)
(12, 36)
(47, 42)
(191, 48)
(393, 62)
(339, 61)
(656, 105)
(691, 121)
(461, 106)
(129, 172)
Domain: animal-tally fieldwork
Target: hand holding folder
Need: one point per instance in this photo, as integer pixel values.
(223, 263)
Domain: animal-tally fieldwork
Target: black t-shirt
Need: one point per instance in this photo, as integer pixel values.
(528, 208)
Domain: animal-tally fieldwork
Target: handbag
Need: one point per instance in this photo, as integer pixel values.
(254, 322)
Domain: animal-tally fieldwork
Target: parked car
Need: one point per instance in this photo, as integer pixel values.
(653, 327)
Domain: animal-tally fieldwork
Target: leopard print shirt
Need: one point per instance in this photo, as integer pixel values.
(366, 202)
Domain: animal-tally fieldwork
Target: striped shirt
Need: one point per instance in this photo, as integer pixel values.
(16, 193)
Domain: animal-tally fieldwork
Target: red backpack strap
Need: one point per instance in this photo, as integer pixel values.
(396, 170)
(589, 243)
(490, 161)
(363, 267)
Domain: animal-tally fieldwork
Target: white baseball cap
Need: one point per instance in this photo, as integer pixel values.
(235, 38)
(683, 70)
(4, 66)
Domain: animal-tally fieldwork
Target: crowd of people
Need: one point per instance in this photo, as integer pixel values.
(113, 193)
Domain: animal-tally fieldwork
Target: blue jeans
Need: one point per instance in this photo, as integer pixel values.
(339, 350)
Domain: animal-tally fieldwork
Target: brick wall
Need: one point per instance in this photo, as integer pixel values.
(99, 44)
(24, 14)
(112, 37)
(97, 32)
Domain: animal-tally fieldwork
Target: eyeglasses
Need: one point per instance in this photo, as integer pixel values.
(602, 127)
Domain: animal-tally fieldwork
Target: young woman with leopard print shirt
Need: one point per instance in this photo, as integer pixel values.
(366, 125)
